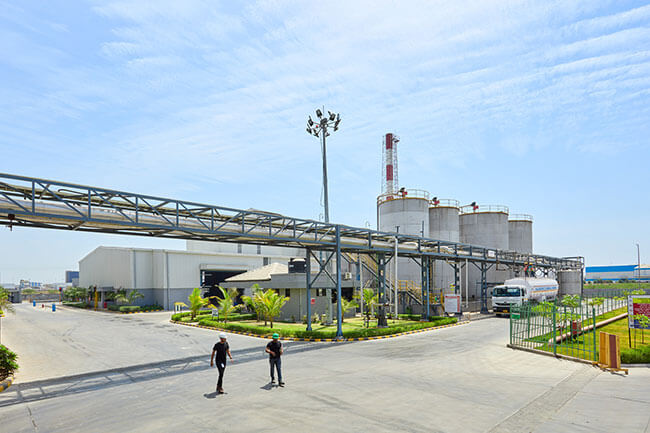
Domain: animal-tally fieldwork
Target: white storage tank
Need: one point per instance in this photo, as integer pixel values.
(405, 212)
(485, 226)
(520, 233)
(444, 225)
(570, 282)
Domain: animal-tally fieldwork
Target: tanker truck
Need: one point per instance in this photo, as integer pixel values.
(516, 291)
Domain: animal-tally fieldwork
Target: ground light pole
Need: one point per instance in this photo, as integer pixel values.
(320, 129)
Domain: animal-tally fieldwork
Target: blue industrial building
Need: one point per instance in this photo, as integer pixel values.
(617, 272)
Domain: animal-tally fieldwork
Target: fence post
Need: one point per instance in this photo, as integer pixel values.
(510, 320)
(554, 331)
(593, 314)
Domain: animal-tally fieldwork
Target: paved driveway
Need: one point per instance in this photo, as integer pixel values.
(100, 372)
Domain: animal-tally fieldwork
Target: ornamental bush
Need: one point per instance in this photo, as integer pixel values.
(8, 364)
(129, 308)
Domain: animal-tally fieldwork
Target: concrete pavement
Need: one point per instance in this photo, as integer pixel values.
(150, 378)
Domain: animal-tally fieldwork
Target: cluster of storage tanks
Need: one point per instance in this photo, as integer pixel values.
(413, 212)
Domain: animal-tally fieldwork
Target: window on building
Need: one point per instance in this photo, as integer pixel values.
(238, 248)
(259, 249)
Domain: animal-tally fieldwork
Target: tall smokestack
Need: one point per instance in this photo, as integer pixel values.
(389, 151)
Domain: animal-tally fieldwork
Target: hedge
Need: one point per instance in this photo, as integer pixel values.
(640, 355)
(113, 307)
(202, 313)
(129, 308)
(8, 362)
(299, 333)
(151, 308)
(76, 304)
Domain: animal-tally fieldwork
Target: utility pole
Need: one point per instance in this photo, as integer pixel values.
(638, 273)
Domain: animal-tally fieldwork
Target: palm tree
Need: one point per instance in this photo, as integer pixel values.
(227, 303)
(122, 297)
(346, 306)
(255, 302)
(369, 300)
(273, 304)
(266, 303)
(197, 302)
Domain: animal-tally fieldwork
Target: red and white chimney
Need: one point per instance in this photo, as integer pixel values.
(389, 184)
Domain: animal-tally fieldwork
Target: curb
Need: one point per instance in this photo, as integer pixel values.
(6, 383)
(323, 340)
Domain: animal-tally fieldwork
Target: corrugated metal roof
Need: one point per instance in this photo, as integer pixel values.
(261, 274)
(614, 268)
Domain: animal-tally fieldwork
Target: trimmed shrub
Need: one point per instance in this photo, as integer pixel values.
(640, 355)
(76, 304)
(113, 307)
(129, 308)
(154, 307)
(8, 362)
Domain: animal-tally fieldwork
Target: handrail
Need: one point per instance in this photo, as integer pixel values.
(484, 208)
(520, 217)
(410, 193)
(444, 202)
(33, 202)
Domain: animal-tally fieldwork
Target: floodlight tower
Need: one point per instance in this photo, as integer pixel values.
(320, 129)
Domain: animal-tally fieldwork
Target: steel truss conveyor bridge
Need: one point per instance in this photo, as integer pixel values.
(33, 202)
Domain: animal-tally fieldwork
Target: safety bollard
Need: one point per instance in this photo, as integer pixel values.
(33, 303)
(53, 307)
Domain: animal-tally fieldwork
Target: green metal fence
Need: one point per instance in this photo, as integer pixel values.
(558, 329)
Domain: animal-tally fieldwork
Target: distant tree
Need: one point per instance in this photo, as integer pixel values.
(5, 304)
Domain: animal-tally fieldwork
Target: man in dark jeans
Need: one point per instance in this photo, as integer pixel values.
(274, 349)
(220, 349)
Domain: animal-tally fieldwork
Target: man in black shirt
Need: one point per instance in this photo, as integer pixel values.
(220, 349)
(274, 349)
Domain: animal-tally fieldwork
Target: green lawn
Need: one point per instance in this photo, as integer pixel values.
(352, 327)
(620, 328)
(350, 324)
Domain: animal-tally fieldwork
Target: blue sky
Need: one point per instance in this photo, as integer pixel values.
(541, 106)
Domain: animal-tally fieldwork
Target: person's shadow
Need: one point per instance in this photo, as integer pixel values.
(269, 386)
(211, 395)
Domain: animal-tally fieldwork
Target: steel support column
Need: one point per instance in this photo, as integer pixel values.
(425, 262)
(308, 286)
(381, 289)
(484, 306)
(339, 313)
(456, 278)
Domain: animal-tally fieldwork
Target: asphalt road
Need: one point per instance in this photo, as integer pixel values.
(86, 371)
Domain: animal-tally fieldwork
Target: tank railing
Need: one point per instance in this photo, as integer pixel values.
(410, 193)
(444, 202)
(520, 217)
(484, 208)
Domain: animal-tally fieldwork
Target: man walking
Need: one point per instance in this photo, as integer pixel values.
(274, 349)
(220, 349)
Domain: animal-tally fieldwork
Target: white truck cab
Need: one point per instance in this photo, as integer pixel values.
(516, 291)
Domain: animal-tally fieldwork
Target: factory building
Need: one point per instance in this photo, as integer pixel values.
(168, 276)
(615, 273)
